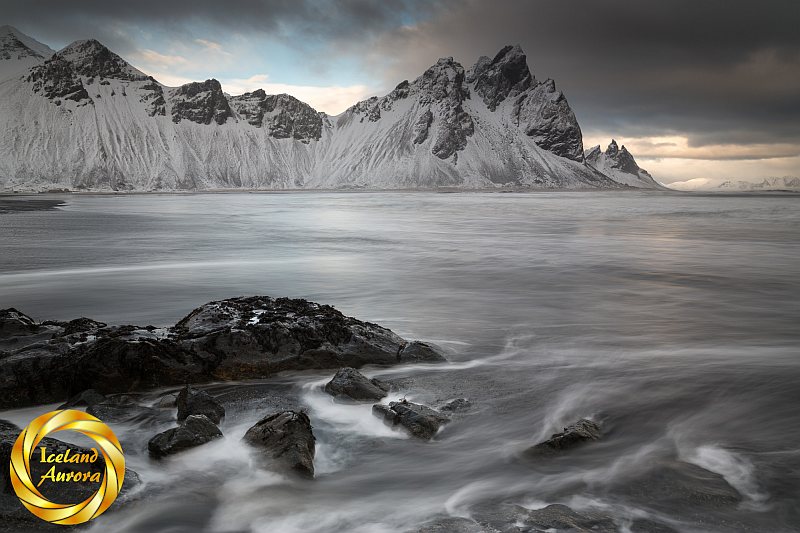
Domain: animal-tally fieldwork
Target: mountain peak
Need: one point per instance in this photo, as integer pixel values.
(16, 45)
(505, 75)
(92, 58)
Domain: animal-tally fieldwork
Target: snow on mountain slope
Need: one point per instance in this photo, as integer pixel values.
(86, 119)
(18, 52)
(618, 164)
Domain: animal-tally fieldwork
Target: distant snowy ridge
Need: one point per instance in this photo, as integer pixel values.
(83, 118)
(785, 183)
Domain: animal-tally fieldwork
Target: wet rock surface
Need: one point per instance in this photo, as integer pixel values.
(671, 483)
(349, 383)
(86, 398)
(197, 402)
(194, 431)
(421, 421)
(507, 517)
(457, 405)
(574, 435)
(450, 525)
(285, 442)
(240, 338)
(123, 409)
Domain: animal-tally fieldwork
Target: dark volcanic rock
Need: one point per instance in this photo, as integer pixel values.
(88, 397)
(420, 352)
(421, 421)
(82, 325)
(168, 401)
(122, 409)
(350, 383)
(240, 338)
(193, 431)
(197, 402)
(561, 517)
(13, 516)
(285, 441)
(557, 517)
(13, 323)
(200, 102)
(459, 404)
(580, 432)
(669, 484)
(450, 525)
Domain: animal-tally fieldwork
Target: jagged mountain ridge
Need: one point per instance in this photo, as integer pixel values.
(620, 165)
(86, 119)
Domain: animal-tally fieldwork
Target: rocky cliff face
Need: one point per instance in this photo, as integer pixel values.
(200, 102)
(86, 119)
(619, 164)
(283, 116)
(540, 110)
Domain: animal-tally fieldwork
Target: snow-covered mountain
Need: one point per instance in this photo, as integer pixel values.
(618, 164)
(83, 118)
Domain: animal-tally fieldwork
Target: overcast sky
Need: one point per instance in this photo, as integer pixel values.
(694, 88)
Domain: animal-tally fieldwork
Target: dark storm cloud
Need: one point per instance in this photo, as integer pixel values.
(300, 20)
(719, 71)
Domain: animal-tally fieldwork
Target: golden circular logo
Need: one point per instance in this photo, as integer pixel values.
(110, 481)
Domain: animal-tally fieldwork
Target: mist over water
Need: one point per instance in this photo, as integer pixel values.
(672, 319)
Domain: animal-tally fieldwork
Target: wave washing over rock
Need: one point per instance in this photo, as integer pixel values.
(83, 118)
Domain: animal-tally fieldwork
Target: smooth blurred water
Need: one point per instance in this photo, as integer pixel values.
(674, 317)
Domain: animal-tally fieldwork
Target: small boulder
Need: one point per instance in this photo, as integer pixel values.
(352, 384)
(168, 401)
(14, 322)
(419, 351)
(420, 420)
(121, 409)
(87, 398)
(193, 431)
(82, 325)
(286, 442)
(459, 404)
(197, 402)
(579, 433)
(450, 524)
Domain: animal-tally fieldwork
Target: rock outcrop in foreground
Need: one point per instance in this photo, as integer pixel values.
(285, 442)
(239, 338)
